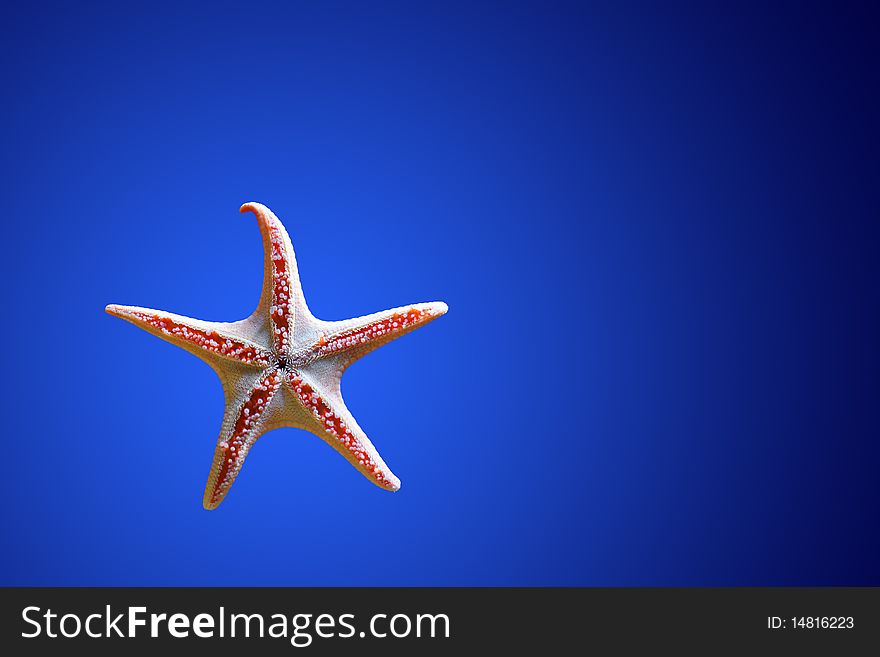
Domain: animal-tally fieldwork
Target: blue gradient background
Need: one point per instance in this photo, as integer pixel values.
(657, 232)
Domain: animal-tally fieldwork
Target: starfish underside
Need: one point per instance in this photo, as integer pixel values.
(282, 367)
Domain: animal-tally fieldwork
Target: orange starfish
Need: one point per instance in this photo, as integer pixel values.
(282, 367)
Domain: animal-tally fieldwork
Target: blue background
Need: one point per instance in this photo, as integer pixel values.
(657, 232)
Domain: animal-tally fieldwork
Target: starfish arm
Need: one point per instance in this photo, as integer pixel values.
(282, 298)
(354, 338)
(210, 341)
(333, 423)
(244, 422)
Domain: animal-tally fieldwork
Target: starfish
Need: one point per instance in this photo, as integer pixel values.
(282, 367)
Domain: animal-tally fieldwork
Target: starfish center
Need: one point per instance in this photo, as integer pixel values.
(298, 359)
